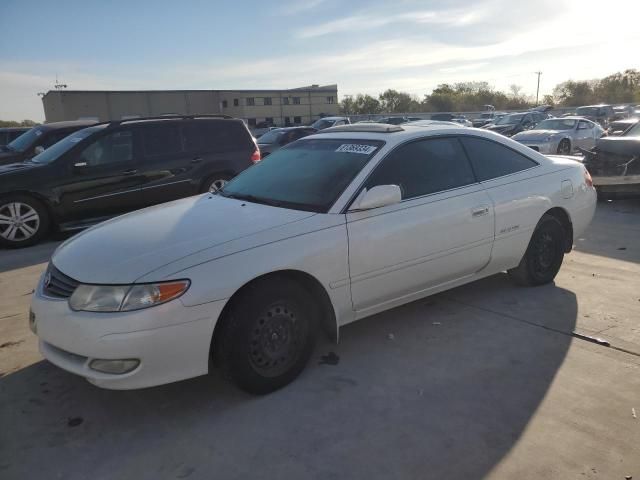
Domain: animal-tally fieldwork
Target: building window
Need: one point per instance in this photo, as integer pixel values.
(251, 101)
(267, 100)
(297, 120)
(287, 121)
(251, 122)
(225, 104)
(285, 100)
(330, 100)
(296, 100)
(269, 120)
(236, 102)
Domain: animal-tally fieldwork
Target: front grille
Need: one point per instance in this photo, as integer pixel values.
(57, 284)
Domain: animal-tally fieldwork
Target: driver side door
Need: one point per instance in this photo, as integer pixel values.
(103, 178)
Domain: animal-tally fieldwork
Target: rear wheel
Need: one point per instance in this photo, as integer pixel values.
(564, 148)
(24, 221)
(544, 255)
(216, 182)
(268, 335)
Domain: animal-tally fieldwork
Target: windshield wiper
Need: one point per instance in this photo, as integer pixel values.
(270, 202)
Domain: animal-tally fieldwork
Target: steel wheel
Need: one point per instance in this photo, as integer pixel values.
(217, 184)
(275, 341)
(18, 221)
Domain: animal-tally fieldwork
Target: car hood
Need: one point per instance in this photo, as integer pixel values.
(535, 134)
(124, 249)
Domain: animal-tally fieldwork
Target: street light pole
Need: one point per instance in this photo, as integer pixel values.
(538, 89)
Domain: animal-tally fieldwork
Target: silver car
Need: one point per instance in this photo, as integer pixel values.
(561, 135)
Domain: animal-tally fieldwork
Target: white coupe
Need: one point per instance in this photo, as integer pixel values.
(333, 228)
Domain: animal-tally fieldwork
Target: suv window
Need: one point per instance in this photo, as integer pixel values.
(491, 160)
(53, 137)
(424, 167)
(112, 148)
(161, 139)
(215, 136)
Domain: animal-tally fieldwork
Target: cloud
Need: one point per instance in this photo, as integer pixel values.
(299, 6)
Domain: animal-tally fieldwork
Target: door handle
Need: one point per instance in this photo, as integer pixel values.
(479, 211)
(196, 160)
(131, 171)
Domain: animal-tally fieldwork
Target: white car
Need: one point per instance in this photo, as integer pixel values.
(332, 228)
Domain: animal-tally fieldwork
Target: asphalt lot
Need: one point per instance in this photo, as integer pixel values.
(485, 381)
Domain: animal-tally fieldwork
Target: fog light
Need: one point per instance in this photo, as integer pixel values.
(114, 366)
(32, 322)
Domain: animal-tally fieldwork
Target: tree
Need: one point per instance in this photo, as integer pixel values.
(347, 105)
(393, 101)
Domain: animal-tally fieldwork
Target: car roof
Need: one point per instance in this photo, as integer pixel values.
(68, 124)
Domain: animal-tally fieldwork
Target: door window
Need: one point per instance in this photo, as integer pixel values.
(161, 139)
(492, 160)
(583, 125)
(115, 147)
(424, 167)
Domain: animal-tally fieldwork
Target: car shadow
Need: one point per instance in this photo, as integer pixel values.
(439, 388)
(13, 259)
(614, 231)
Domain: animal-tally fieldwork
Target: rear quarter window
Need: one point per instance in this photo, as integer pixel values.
(492, 160)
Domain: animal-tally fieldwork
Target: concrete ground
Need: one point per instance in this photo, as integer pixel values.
(485, 381)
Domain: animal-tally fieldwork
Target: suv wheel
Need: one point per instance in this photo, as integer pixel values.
(215, 183)
(268, 336)
(23, 221)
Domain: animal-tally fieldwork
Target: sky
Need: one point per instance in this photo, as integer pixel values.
(365, 46)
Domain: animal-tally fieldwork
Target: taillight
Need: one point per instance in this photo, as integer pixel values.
(255, 156)
(587, 178)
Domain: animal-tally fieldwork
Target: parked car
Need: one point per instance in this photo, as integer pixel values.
(452, 117)
(514, 123)
(9, 134)
(278, 138)
(621, 112)
(37, 139)
(262, 128)
(602, 114)
(614, 163)
(327, 122)
(393, 120)
(618, 127)
(541, 109)
(561, 135)
(111, 168)
(333, 228)
(486, 118)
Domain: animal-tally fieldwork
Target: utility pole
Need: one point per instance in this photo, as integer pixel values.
(538, 89)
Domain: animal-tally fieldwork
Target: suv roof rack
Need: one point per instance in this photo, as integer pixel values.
(364, 127)
(114, 123)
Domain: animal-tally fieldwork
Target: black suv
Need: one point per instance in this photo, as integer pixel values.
(38, 139)
(114, 167)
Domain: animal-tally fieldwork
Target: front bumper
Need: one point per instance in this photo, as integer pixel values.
(171, 341)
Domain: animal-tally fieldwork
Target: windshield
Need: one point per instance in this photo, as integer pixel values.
(26, 140)
(322, 123)
(307, 175)
(508, 119)
(557, 124)
(57, 149)
(588, 111)
(272, 136)
(633, 131)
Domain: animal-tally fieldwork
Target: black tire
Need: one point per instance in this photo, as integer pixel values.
(30, 215)
(220, 179)
(268, 335)
(564, 147)
(543, 258)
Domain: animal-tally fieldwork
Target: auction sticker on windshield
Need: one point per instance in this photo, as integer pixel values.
(356, 148)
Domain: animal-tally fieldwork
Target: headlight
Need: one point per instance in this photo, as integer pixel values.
(547, 139)
(124, 298)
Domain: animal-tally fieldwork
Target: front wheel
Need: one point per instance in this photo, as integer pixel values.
(215, 183)
(543, 258)
(564, 148)
(268, 335)
(24, 221)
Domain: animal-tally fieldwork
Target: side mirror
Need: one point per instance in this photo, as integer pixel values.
(38, 150)
(378, 196)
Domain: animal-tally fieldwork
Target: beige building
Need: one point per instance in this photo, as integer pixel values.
(296, 106)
